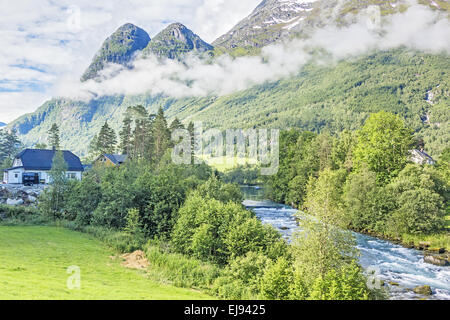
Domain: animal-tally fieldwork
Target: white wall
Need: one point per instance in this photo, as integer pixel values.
(43, 175)
(15, 176)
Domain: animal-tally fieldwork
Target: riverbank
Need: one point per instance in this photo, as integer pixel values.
(435, 248)
(402, 270)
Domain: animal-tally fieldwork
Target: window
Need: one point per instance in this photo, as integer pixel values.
(71, 175)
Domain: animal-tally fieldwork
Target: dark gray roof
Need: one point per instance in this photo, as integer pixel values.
(117, 158)
(38, 159)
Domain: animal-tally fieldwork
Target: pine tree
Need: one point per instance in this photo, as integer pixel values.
(141, 138)
(125, 136)
(161, 134)
(106, 140)
(176, 124)
(9, 146)
(191, 129)
(53, 139)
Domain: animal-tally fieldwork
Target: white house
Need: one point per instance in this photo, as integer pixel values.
(33, 166)
(420, 157)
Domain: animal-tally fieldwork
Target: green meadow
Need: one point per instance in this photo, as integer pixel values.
(35, 260)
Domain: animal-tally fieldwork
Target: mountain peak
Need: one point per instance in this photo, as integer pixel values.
(175, 41)
(118, 48)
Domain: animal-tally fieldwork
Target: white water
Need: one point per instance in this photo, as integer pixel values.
(393, 263)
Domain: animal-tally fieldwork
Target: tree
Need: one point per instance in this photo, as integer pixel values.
(161, 134)
(9, 146)
(53, 139)
(106, 140)
(42, 146)
(53, 200)
(142, 141)
(176, 124)
(419, 208)
(383, 144)
(277, 279)
(211, 230)
(125, 136)
(323, 244)
(360, 196)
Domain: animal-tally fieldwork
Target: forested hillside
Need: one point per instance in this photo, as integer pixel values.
(329, 97)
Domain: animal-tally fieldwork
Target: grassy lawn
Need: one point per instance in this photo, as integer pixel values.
(34, 262)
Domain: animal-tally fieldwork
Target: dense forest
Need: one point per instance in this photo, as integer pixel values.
(367, 177)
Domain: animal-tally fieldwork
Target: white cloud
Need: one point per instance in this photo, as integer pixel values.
(59, 38)
(46, 45)
(14, 103)
(418, 28)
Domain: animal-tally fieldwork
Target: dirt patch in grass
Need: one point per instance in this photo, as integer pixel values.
(135, 260)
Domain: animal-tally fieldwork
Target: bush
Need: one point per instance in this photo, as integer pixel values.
(346, 284)
(240, 279)
(213, 231)
(17, 211)
(277, 280)
(14, 215)
(183, 271)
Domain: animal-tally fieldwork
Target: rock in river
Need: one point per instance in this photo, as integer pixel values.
(424, 290)
(436, 260)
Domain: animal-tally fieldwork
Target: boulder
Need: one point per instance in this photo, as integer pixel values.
(437, 250)
(436, 260)
(31, 199)
(423, 290)
(14, 202)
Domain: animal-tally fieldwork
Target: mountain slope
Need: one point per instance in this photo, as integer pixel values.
(118, 48)
(331, 97)
(275, 20)
(175, 41)
(327, 97)
(2, 124)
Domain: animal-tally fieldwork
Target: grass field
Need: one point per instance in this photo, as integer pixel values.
(34, 262)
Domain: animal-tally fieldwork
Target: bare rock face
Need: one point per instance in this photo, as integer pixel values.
(175, 41)
(119, 48)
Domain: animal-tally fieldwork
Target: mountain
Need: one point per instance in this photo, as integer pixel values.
(275, 20)
(175, 41)
(119, 48)
(2, 124)
(332, 97)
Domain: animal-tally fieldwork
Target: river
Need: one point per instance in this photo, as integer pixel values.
(392, 263)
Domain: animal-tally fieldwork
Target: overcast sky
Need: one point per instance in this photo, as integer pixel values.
(43, 41)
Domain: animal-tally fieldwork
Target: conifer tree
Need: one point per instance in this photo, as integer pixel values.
(106, 140)
(53, 139)
(161, 134)
(125, 136)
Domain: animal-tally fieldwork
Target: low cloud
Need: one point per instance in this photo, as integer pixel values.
(418, 28)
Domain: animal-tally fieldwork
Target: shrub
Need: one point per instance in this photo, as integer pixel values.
(277, 280)
(211, 230)
(183, 271)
